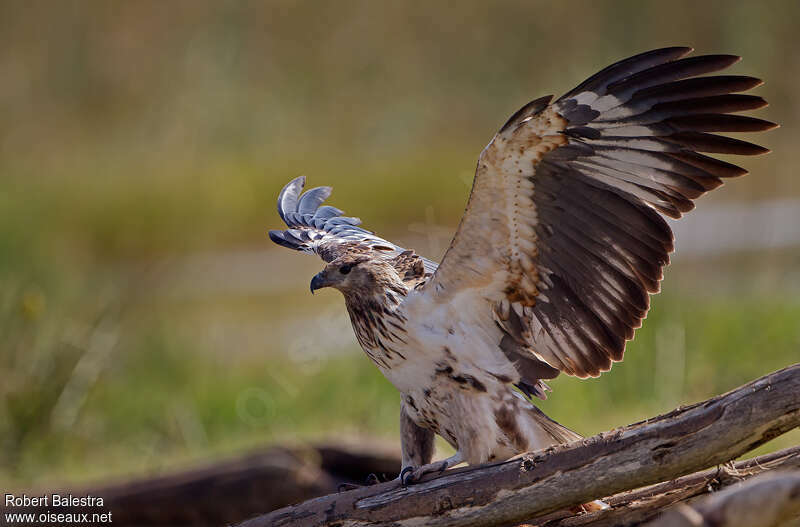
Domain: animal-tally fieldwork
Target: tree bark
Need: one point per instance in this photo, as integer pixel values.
(770, 500)
(685, 440)
(638, 506)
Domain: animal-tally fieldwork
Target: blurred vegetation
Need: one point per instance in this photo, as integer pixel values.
(146, 322)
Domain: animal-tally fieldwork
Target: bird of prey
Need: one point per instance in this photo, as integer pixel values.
(550, 271)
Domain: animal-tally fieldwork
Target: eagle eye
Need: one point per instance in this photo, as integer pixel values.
(345, 268)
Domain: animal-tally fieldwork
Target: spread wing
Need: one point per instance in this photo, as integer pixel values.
(320, 229)
(564, 233)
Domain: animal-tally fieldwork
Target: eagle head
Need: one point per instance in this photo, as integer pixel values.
(358, 276)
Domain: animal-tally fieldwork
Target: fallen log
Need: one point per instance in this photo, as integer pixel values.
(770, 500)
(683, 441)
(638, 506)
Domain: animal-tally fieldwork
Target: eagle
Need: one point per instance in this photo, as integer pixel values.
(551, 269)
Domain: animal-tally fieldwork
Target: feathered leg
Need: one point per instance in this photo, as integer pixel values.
(416, 442)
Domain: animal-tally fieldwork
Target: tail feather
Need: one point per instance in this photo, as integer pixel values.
(558, 432)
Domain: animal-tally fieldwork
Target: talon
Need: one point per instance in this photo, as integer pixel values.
(406, 476)
(372, 479)
(444, 467)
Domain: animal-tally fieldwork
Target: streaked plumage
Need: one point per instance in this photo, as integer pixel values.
(551, 268)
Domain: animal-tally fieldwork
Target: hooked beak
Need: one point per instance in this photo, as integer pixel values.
(317, 282)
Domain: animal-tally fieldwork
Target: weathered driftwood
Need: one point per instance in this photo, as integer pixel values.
(769, 500)
(638, 506)
(683, 441)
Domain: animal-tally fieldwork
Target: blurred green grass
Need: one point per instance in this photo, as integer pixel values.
(138, 137)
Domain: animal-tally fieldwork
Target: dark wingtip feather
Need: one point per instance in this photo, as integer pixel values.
(757, 102)
(702, 142)
(771, 125)
(733, 58)
(720, 123)
(712, 165)
(727, 103)
(672, 71)
(626, 67)
(697, 87)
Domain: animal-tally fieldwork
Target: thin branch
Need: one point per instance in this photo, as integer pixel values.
(685, 440)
